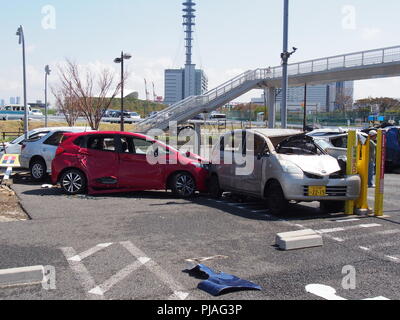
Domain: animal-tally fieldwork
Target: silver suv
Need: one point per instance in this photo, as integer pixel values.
(14, 147)
(284, 166)
(38, 153)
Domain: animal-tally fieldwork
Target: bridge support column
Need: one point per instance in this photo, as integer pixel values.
(197, 146)
(271, 108)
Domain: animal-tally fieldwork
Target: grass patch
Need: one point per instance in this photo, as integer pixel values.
(15, 126)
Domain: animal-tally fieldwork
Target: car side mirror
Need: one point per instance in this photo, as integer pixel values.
(188, 154)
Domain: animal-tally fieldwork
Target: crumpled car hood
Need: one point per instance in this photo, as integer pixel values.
(319, 165)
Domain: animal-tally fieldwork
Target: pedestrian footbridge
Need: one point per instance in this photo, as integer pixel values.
(363, 65)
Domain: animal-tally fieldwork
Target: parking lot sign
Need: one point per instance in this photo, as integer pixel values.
(10, 161)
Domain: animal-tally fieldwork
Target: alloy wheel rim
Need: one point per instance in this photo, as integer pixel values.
(185, 185)
(72, 182)
(37, 171)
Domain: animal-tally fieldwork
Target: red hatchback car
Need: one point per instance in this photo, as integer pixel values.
(108, 162)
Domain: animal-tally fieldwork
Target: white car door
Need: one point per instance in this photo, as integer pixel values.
(249, 178)
(223, 161)
(49, 148)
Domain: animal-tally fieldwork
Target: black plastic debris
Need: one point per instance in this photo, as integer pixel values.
(219, 283)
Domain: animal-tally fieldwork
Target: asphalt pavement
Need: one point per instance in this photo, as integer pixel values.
(137, 246)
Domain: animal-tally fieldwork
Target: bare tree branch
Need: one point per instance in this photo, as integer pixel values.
(94, 94)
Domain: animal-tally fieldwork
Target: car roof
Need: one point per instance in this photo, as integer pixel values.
(74, 129)
(275, 133)
(88, 133)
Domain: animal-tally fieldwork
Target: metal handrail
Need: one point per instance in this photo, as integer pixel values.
(349, 60)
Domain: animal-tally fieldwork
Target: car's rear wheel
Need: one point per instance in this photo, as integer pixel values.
(332, 206)
(38, 170)
(183, 185)
(214, 188)
(276, 200)
(73, 182)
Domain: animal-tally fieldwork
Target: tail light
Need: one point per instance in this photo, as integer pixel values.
(59, 151)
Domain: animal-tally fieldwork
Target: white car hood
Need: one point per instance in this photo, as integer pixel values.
(319, 165)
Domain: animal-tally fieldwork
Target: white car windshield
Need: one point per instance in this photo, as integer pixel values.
(299, 145)
(323, 144)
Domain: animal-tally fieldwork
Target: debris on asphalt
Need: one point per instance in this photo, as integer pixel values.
(47, 186)
(219, 283)
(298, 240)
(204, 259)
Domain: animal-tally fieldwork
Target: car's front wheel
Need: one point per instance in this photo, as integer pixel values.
(183, 185)
(276, 200)
(38, 170)
(332, 206)
(73, 182)
(214, 187)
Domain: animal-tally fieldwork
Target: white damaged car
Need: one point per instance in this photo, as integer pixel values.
(280, 166)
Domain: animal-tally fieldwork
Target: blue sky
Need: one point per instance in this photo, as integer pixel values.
(231, 37)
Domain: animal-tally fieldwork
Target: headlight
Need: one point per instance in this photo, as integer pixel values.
(291, 168)
(201, 165)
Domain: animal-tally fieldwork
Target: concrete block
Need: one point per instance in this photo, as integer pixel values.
(299, 240)
(295, 234)
(21, 276)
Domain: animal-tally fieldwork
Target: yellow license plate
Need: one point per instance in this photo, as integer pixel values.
(317, 191)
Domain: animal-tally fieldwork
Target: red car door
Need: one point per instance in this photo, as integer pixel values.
(134, 170)
(102, 162)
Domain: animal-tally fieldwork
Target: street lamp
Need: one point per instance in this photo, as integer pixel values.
(47, 73)
(285, 55)
(20, 34)
(124, 56)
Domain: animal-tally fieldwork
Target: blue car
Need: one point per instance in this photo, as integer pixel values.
(393, 147)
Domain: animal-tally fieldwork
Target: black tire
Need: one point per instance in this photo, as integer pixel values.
(276, 200)
(183, 185)
(214, 188)
(73, 182)
(332, 206)
(38, 170)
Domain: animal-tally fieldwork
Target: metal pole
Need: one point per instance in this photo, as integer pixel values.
(285, 64)
(265, 106)
(122, 92)
(45, 100)
(271, 108)
(22, 37)
(305, 108)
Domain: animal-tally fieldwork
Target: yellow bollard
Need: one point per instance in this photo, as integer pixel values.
(363, 161)
(380, 173)
(352, 148)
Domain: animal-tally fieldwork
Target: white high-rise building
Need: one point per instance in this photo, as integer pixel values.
(325, 96)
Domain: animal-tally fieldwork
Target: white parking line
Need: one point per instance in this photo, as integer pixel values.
(377, 233)
(346, 220)
(393, 258)
(90, 252)
(236, 204)
(385, 245)
(82, 274)
(329, 293)
(388, 232)
(361, 226)
(178, 290)
(121, 275)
